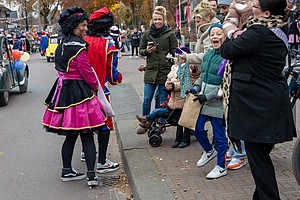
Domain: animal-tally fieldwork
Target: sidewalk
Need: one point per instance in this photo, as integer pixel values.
(165, 173)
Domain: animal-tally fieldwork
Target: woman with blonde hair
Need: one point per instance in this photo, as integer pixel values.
(204, 17)
(157, 42)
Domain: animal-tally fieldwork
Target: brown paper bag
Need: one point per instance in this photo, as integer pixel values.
(190, 112)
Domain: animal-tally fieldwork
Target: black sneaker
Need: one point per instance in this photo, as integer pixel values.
(92, 179)
(71, 175)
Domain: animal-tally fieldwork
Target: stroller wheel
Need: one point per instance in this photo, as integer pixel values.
(155, 140)
(153, 131)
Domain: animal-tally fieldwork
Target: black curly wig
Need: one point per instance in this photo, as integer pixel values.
(100, 26)
(70, 18)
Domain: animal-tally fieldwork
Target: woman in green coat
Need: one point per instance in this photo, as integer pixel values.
(156, 43)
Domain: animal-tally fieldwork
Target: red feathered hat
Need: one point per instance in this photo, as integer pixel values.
(99, 13)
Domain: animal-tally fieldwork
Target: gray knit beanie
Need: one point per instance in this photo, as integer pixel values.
(224, 2)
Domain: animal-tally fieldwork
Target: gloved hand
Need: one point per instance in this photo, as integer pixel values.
(201, 98)
(120, 77)
(192, 91)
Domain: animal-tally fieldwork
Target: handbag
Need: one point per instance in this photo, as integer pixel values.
(103, 100)
(105, 103)
(190, 112)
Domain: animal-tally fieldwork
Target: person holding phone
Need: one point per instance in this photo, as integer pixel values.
(156, 43)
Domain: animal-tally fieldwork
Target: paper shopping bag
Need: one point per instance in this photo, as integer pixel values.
(190, 112)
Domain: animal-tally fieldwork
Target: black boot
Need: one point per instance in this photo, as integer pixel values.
(186, 138)
(92, 179)
(179, 133)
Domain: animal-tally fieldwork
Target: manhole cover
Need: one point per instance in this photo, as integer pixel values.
(107, 181)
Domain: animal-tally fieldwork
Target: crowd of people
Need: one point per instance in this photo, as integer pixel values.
(240, 53)
(234, 76)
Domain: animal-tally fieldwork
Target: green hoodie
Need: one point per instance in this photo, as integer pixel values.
(157, 65)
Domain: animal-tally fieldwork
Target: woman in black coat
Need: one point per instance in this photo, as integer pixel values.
(135, 42)
(259, 110)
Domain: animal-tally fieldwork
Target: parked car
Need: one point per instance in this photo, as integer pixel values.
(50, 51)
(13, 73)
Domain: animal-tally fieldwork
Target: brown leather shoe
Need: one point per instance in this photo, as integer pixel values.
(141, 130)
(144, 121)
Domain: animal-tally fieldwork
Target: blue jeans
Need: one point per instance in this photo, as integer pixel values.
(127, 43)
(158, 111)
(237, 154)
(149, 90)
(218, 134)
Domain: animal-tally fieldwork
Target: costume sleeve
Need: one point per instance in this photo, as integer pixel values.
(113, 75)
(86, 70)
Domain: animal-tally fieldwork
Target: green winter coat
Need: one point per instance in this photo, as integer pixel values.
(157, 65)
(210, 83)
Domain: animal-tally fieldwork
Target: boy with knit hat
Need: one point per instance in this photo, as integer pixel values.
(211, 102)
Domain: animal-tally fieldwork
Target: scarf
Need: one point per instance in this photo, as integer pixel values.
(157, 31)
(274, 23)
(184, 77)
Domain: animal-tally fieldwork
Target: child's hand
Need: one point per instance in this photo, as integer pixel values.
(183, 55)
(201, 98)
(238, 33)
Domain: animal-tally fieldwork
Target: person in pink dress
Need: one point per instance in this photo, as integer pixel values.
(72, 105)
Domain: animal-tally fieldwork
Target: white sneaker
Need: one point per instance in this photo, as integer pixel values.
(82, 157)
(109, 166)
(136, 57)
(206, 157)
(236, 163)
(228, 156)
(130, 56)
(217, 172)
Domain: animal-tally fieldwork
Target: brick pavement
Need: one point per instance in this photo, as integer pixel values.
(176, 168)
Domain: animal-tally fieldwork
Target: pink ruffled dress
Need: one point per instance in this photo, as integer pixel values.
(72, 106)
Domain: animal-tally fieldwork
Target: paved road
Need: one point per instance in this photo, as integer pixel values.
(30, 161)
(165, 173)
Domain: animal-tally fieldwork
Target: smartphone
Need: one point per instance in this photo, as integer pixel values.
(150, 44)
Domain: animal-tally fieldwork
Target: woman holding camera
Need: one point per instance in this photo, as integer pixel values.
(156, 43)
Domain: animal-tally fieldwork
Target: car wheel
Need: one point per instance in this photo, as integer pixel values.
(4, 96)
(23, 88)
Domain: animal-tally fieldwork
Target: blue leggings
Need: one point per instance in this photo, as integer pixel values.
(218, 133)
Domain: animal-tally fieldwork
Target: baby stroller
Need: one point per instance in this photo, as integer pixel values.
(155, 131)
